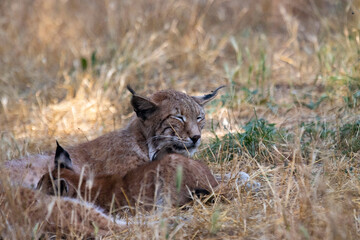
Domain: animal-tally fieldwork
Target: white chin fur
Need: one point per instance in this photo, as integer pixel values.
(152, 152)
(192, 152)
(189, 153)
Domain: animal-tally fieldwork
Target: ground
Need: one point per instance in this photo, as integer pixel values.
(289, 115)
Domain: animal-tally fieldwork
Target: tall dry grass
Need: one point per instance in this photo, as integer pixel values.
(64, 66)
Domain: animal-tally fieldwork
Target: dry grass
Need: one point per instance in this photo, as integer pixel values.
(64, 66)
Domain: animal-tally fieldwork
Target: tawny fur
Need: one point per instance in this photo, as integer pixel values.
(146, 184)
(166, 122)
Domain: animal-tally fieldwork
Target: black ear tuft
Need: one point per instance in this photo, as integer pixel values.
(62, 158)
(202, 100)
(130, 90)
(63, 188)
(143, 107)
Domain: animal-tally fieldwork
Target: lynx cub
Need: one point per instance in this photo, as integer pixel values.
(148, 184)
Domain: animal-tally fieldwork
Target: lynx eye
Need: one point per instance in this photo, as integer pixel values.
(180, 118)
(199, 118)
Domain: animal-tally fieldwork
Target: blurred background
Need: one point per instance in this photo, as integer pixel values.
(64, 64)
(289, 116)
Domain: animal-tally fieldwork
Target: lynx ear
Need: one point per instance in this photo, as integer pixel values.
(61, 186)
(62, 158)
(143, 107)
(202, 100)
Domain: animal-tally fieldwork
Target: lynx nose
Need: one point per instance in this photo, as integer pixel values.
(195, 138)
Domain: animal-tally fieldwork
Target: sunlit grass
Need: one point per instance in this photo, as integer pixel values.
(289, 115)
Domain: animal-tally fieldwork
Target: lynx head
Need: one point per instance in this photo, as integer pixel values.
(171, 121)
(52, 183)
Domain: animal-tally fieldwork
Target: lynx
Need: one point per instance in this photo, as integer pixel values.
(147, 184)
(168, 121)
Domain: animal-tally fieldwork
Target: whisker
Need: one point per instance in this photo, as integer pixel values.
(179, 138)
(158, 137)
(164, 137)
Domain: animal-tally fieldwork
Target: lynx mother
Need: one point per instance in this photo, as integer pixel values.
(168, 121)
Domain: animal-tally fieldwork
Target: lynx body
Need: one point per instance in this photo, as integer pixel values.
(173, 178)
